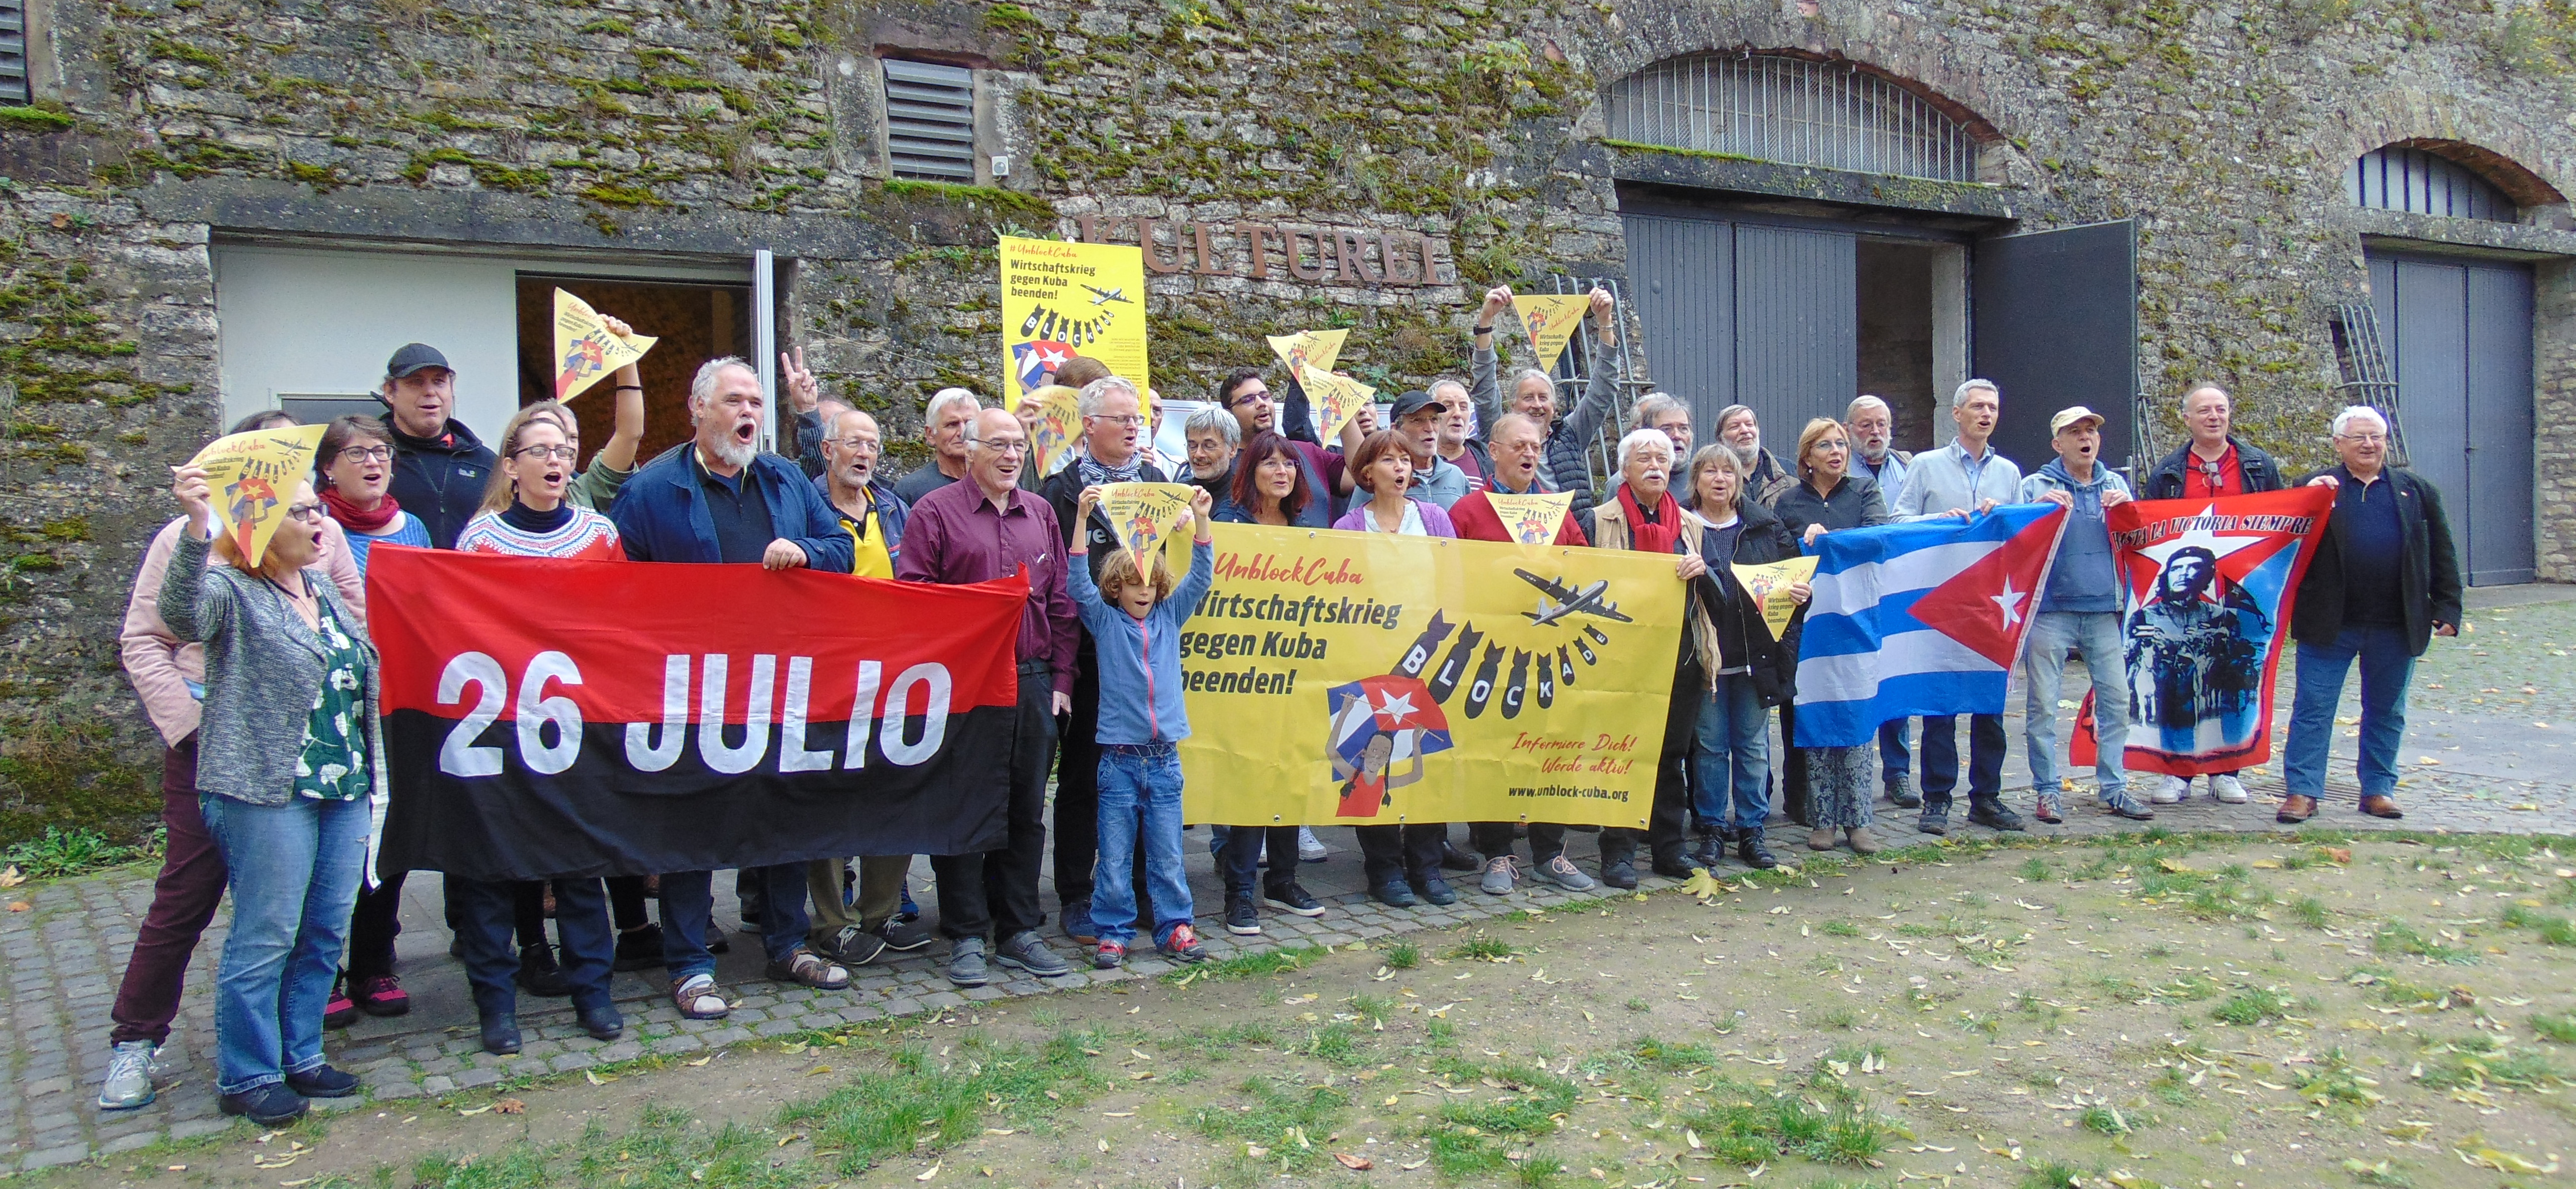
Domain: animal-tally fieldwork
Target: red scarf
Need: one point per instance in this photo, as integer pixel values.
(357, 519)
(1656, 537)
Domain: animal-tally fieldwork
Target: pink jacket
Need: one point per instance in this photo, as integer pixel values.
(162, 668)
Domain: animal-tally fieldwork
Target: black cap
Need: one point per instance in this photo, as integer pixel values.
(1414, 402)
(414, 358)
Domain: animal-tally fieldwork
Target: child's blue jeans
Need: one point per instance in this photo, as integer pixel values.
(1140, 794)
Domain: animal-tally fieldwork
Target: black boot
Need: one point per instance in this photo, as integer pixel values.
(1754, 853)
(1710, 851)
(538, 974)
(501, 1033)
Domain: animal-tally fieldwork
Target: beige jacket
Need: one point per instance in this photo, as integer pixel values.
(166, 671)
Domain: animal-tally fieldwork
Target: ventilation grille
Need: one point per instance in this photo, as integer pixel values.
(2417, 182)
(930, 121)
(1771, 107)
(13, 52)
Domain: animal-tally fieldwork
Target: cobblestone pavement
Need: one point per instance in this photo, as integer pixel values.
(2491, 747)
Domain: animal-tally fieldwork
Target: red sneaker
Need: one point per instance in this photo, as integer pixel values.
(1182, 945)
(340, 1012)
(383, 996)
(1109, 956)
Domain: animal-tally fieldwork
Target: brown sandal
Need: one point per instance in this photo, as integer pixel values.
(807, 968)
(696, 998)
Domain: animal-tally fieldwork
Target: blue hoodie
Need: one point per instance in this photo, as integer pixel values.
(1140, 659)
(2085, 578)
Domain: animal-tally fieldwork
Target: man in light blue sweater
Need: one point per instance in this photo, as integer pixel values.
(2079, 610)
(1962, 479)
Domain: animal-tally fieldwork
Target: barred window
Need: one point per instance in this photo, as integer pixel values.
(2420, 183)
(1774, 107)
(13, 52)
(930, 121)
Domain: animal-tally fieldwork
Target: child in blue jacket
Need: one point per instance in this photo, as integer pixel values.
(1136, 621)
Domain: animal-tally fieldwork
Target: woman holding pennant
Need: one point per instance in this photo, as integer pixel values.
(291, 780)
(1755, 671)
(1829, 788)
(526, 513)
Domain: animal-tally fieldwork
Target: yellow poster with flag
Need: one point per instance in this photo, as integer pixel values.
(1532, 519)
(250, 477)
(1144, 516)
(1337, 398)
(1058, 426)
(585, 351)
(1318, 349)
(1364, 679)
(1769, 586)
(1549, 322)
(1061, 299)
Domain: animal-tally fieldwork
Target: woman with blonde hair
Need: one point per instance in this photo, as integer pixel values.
(1731, 762)
(525, 511)
(1829, 788)
(291, 781)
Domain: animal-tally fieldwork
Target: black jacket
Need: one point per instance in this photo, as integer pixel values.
(1741, 630)
(2166, 481)
(1856, 503)
(2430, 577)
(441, 481)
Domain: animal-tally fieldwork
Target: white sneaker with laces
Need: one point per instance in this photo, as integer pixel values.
(1309, 848)
(2227, 788)
(129, 1076)
(2170, 791)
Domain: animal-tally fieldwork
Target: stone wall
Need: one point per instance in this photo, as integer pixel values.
(703, 128)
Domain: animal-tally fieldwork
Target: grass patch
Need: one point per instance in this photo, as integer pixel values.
(1531, 1100)
(2560, 1028)
(2106, 1120)
(2054, 1174)
(2398, 937)
(1279, 1125)
(1672, 1058)
(1841, 929)
(2554, 930)
(2479, 1061)
(1485, 949)
(1403, 955)
(665, 1147)
(2310, 911)
(1242, 966)
(919, 1107)
(60, 852)
(1747, 1126)
(2252, 1007)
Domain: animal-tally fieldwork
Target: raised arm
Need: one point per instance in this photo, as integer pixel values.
(1482, 390)
(627, 431)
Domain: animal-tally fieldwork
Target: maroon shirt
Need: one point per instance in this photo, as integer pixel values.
(955, 535)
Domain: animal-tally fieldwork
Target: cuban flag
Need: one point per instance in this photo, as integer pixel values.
(1037, 359)
(1919, 618)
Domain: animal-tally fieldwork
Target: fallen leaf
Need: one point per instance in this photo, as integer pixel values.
(510, 1106)
(476, 1111)
(1353, 1163)
(9, 877)
(928, 1173)
(1416, 1164)
(19, 906)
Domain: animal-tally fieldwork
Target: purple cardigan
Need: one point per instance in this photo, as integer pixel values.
(1434, 521)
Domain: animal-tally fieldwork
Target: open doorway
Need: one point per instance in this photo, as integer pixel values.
(1912, 332)
(695, 323)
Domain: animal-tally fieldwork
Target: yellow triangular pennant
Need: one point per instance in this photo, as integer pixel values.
(1144, 515)
(1318, 349)
(1531, 519)
(251, 476)
(1058, 426)
(1769, 586)
(1337, 397)
(585, 352)
(1549, 322)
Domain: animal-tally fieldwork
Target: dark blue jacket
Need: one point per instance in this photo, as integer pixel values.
(660, 517)
(891, 513)
(441, 482)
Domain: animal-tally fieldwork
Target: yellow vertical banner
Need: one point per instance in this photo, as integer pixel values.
(1364, 679)
(1532, 519)
(585, 351)
(1062, 299)
(1144, 515)
(1318, 349)
(1058, 426)
(1337, 398)
(251, 476)
(1769, 586)
(1549, 322)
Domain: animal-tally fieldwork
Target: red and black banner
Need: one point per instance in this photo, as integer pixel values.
(565, 718)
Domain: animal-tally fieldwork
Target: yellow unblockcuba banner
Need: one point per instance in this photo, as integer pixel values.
(1357, 679)
(251, 476)
(1063, 299)
(1769, 586)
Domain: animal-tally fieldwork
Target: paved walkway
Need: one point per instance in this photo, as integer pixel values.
(2492, 713)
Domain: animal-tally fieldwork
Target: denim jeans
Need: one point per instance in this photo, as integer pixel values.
(295, 874)
(1895, 750)
(1941, 759)
(1734, 735)
(1140, 794)
(2097, 636)
(688, 903)
(2386, 663)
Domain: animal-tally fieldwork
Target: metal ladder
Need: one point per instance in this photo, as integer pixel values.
(2363, 366)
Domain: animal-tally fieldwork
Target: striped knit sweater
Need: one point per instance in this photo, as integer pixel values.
(588, 536)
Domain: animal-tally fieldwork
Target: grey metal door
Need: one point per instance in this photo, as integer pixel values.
(1683, 272)
(2053, 321)
(1797, 331)
(2458, 334)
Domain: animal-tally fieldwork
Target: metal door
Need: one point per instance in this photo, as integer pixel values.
(2053, 321)
(1683, 271)
(2459, 339)
(1797, 331)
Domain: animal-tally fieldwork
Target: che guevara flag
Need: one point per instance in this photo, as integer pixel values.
(561, 718)
(2206, 590)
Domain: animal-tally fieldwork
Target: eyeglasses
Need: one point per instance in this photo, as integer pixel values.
(1000, 447)
(306, 512)
(2364, 439)
(1131, 420)
(565, 452)
(1245, 398)
(366, 454)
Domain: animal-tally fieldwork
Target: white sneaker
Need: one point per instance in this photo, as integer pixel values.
(2225, 787)
(1309, 848)
(129, 1076)
(2171, 791)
